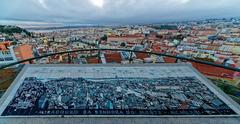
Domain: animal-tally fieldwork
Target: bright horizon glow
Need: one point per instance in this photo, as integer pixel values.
(97, 3)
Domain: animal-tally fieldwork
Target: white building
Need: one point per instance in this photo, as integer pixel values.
(7, 56)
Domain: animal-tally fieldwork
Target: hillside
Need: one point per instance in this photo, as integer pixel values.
(13, 29)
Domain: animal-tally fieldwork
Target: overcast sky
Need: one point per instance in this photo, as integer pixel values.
(115, 11)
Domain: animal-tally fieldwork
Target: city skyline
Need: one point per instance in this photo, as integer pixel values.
(43, 12)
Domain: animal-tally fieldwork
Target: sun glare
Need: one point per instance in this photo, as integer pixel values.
(97, 3)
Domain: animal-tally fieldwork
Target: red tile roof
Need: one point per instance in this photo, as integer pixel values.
(169, 60)
(113, 57)
(142, 55)
(93, 61)
(213, 71)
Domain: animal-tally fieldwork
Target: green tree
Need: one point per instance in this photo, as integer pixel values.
(105, 37)
(123, 44)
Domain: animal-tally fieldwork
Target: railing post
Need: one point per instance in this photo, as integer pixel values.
(99, 51)
(99, 55)
(176, 60)
(30, 62)
(130, 58)
(69, 58)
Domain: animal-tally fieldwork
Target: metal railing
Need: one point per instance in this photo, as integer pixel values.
(30, 60)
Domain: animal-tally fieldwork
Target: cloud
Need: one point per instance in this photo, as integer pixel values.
(116, 11)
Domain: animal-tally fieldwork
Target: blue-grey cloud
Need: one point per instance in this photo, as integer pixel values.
(116, 11)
